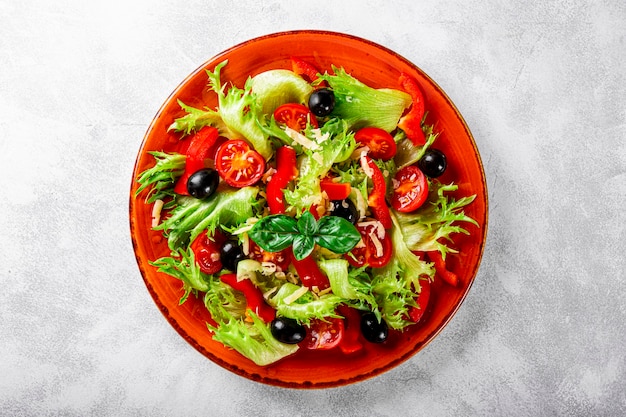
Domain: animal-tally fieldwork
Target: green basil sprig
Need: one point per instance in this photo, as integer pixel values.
(279, 231)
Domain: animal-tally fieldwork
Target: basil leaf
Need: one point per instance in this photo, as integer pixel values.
(274, 233)
(303, 246)
(307, 224)
(336, 234)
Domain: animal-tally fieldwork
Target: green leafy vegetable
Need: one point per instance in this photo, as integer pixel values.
(407, 153)
(276, 87)
(306, 307)
(346, 285)
(254, 341)
(192, 216)
(424, 229)
(162, 176)
(360, 105)
(185, 268)
(277, 232)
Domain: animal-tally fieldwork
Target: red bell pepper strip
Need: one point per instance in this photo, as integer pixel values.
(441, 269)
(416, 313)
(335, 190)
(376, 199)
(304, 69)
(309, 273)
(202, 145)
(411, 122)
(350, 342)
(286, 170)
(254, 297)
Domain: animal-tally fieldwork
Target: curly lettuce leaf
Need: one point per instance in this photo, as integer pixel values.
(273, 88)
(330, 144)
(347, 285)
(306, 307)
(361, 105)
(185, 268)
(252, 340)
(192, 216)
(428, 228)
(235, 115)
(161, 177)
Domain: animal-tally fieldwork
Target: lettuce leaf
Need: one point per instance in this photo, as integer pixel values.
(306, 307)
(276, 87)
(253, 340)
(185, 268)
(192, 216)
(161, 177)
(361, 105)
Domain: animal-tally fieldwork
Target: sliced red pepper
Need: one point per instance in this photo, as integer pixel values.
(202, 145)
(286, 170)
(310, 274)
(335, 190)
(441, 269)
(416, 313)
(411, 122)
(254, 297)
(350, 342)
(376, 199)
(304, 69)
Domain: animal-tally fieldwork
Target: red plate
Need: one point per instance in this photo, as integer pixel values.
(374, 65)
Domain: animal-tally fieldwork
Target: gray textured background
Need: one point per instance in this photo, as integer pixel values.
(541, 84)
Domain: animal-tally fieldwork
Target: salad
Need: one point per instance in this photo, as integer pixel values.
(305, 210)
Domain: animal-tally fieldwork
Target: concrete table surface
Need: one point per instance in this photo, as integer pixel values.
(542, 86)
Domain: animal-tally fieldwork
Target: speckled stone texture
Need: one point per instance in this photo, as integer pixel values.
(542, 86)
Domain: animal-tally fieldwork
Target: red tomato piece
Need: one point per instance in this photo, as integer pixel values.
(238, 164)
(380, 143)
(374, 251)
(280, 259)
(323, 335)
(207, 252)
(295, 116)
(410, 189)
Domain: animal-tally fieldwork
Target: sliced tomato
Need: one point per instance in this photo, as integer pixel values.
(335, 190)
(373, 250)
(280, 259)
(238, 164)
(410, 189)
(380, 143)
(323, 334)
(416, 313)
(207, 252)
(295, 116)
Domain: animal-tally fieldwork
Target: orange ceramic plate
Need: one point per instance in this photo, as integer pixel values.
(377, 67)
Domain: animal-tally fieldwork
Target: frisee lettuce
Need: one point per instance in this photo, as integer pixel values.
(160, 178)
(185, 268)
(192, 216)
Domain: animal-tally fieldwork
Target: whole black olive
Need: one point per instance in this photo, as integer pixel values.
(433, 163)
(322, 102)
(203, 183)
(287, 330)
(373, 330)
(230, 254)
(344, 208)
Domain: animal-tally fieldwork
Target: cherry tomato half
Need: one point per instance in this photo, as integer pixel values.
(380, 143)
(207, 252)
(295, 116)
(280, 259)
(323, 334)
(238, 164)
(369, 253)
(410, 189)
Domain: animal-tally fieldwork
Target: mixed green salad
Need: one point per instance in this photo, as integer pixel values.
(305, 210)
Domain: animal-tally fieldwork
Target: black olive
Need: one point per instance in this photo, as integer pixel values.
(433, 163)
(373, 330)
(322, 102)
(203, 183)
(287, 330)
(344, 208)
(230, 254)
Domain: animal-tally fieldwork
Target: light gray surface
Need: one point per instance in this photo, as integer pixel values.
(541, 85)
